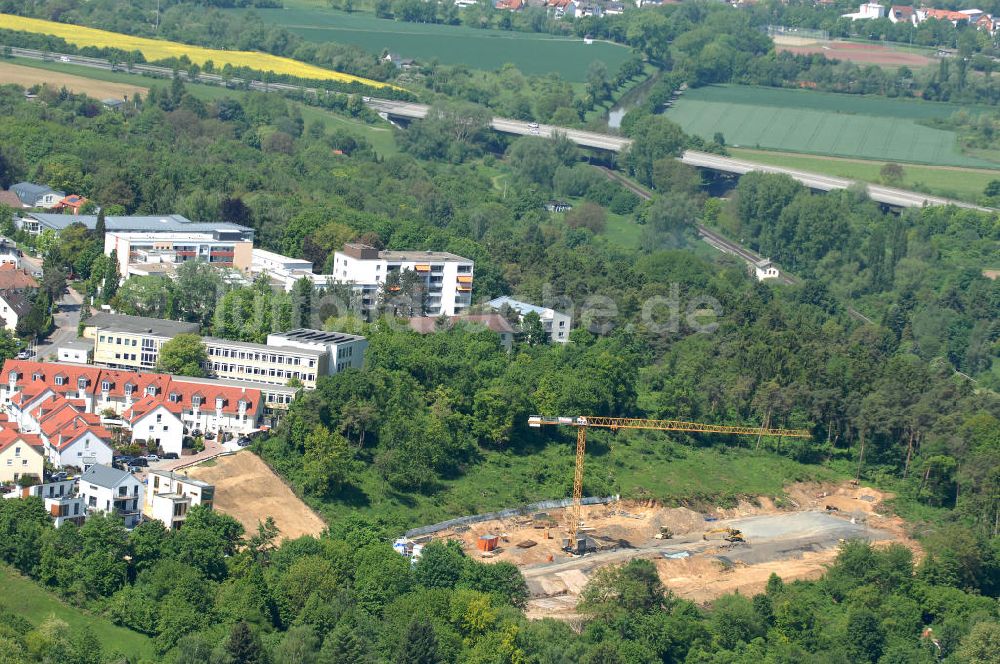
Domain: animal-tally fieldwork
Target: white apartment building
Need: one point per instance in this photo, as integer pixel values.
(447, 278)
(285, 271)
(557, 324)
(111, 491)
(141, 252)
(301, 354)
(170, 495)
(61, 499)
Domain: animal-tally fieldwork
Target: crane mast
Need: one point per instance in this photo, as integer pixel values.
(615, 423)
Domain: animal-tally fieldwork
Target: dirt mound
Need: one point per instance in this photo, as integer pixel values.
(247, 490)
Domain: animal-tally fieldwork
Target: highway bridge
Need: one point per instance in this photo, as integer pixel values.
(588, 139)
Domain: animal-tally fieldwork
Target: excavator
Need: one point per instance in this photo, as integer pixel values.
(729, 534)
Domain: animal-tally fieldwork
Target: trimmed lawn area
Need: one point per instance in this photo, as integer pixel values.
(29, 600)
(962, 183)
(822, 123)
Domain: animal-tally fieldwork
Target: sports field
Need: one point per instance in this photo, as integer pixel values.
(450, 44)
(158, 49)
(824, 123)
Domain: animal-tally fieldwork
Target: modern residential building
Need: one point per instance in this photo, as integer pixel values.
(493, 322)
(33, 195)
(170, 495)
(557, 325)
(131, 342)
(111, 491)
(36, 222)
(446, 279)
(283, 270)
(21, 455)
(62, 501)
(219, 247)
(301, 354)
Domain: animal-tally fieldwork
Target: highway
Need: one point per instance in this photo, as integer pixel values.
(588, 139)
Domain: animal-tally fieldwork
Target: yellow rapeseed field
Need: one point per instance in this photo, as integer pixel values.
(156, 49)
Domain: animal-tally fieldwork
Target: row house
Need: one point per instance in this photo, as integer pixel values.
(70, 436)
(21, 455)
(154, 407)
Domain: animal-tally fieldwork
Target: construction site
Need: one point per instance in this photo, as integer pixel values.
(700, 554)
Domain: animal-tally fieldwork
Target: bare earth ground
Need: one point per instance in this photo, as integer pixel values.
(246, 489)
(796, 541)
(28, 76)
(877, 54)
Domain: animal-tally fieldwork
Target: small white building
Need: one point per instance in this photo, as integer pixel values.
(157, 424)
(557, 325)
(112, 491)
(13, 307)
(170, 495)
(77, 351)
(868, 10)
(765, 269)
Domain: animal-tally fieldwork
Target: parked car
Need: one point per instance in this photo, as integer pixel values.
(171, 456)
(209, 435)
(24, 355)
(196, 433)
(152, 457)
(134, 469)
(139, 461)
(244, 441)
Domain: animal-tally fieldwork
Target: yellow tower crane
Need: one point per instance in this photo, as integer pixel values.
(615, 423)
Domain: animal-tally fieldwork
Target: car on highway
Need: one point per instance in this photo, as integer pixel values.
(63, 58)
(533, 125)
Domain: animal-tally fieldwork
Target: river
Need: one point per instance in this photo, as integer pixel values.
(630, 100)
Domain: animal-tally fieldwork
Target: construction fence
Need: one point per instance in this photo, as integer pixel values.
(506, 514)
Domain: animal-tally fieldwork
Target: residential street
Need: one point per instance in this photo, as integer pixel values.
(66, 321)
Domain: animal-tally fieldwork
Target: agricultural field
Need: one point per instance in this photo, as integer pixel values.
(380, 136)
(450, 44)
(822, 123)
(950, 181)
(27, 599)
(29, 76)
(158, 49)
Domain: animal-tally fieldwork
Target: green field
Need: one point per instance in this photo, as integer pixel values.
(380, 136)
(29, 600)
(962, 183)
(450, 44)
(823, 123)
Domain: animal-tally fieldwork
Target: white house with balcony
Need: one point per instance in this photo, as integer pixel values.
(556, 324)
(111, 491)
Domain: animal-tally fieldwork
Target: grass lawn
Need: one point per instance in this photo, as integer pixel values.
(636, 466)
(451, 44)
(380, 136)
(29, 600)
(822, 123)
(962, 183)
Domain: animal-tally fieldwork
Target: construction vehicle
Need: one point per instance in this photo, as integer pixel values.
(616, 423)
(728, 534)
